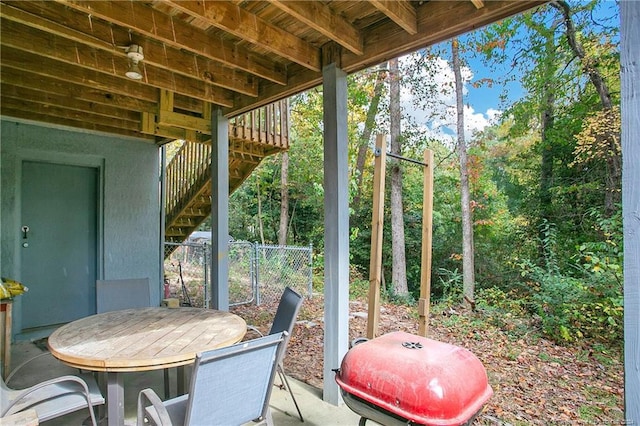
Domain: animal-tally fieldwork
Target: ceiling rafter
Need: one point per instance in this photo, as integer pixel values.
(247, 26)
(64, 89)
(54, 47)
(320, 17)
(401, 12)
(148, 22)
(68, 113)
(389, 41)
(26, 61)
(82, 123)
(100, 35)
(68, 102)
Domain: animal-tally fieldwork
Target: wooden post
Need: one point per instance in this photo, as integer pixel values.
(377, 221)
(6, 307)
(427, 232)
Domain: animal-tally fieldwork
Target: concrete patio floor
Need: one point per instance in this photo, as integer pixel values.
(314, 410)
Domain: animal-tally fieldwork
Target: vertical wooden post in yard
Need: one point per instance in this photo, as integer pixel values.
(375, 263)
(427, 232)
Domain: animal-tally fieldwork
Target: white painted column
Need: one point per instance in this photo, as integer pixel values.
(219, 211)
(336, 227)
(630, 66)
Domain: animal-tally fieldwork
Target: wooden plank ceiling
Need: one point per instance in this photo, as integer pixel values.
(64, 61)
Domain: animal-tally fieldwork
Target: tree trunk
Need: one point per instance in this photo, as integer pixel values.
(260, 225)
(399, 270)
(468, 264)
(546, 167)
(578, 50)
(284, 200)
(547, 109)
(363, 143)
(613, 154)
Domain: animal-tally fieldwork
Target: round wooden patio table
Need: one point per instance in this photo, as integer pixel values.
(141, 340)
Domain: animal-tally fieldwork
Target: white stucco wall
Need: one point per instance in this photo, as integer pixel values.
(129, 211)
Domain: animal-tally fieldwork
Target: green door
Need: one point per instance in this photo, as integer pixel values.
(58, 243)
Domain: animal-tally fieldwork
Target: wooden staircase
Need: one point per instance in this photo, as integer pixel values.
(252, 137)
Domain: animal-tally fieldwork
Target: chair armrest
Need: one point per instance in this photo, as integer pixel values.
(254, 329)
(58, 380)
(150, 396)
(19, 367)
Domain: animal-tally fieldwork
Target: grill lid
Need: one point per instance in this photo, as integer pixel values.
(422, 380)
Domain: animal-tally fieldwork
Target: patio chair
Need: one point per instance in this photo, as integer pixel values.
(52, 398)
(285, 320)
(113, 295)
(229, 386)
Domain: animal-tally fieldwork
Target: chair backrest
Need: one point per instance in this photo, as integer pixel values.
(233, 385)
(285, 318)
(113, 295)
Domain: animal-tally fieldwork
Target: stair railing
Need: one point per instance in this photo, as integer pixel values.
(186, 171)
(190, 168)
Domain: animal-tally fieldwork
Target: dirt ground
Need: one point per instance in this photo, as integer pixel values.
(535, 381)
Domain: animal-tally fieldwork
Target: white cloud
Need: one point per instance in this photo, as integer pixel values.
(438, 115)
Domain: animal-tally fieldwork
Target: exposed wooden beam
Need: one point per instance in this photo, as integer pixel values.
(25, 61)
(168, 117)
(401, 12)
(321, 18)
(10, 110)
(443, 20)
(54, 47)
(67, 113)
(68, 102)
(388, 41)
(249, 27)
(149, 125)
(90, 93)
(141, 19)
(100, 35)
(80, 124)
(478, 3)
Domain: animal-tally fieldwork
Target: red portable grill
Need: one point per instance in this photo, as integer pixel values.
(401, 378)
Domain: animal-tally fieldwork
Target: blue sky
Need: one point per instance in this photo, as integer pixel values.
(482, 103)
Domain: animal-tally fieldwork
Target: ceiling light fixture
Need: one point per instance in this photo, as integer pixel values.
(134, 53)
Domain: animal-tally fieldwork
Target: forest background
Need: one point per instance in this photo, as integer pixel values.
(543, 165)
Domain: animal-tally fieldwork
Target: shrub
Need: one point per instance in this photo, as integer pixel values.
(496, 299)
(589, 302)
(570, 309)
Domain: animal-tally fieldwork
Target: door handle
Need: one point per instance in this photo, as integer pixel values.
(25, 229)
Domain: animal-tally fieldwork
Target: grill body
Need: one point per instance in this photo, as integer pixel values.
(401, 378)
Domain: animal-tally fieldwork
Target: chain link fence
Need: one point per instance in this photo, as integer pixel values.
(257, 273)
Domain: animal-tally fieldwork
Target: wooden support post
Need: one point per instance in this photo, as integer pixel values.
(377, 222)
(6, 308)
(427, 232)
